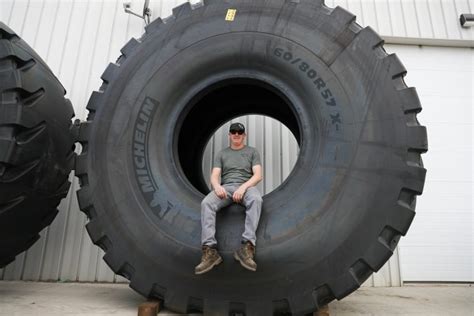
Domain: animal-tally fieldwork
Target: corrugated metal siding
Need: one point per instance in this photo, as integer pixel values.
(78, 38)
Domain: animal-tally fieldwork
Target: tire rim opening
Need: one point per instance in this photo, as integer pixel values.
(275, 143)
(213, 108)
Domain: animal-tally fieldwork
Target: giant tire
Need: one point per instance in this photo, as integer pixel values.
(334, 221)
(36, 147)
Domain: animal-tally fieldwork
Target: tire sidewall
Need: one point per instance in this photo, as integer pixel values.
(320, 203)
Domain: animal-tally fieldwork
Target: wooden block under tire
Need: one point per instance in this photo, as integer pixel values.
(323, 311)
(149, 308)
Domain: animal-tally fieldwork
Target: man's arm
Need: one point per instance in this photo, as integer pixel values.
(253, 181)
(216, 184)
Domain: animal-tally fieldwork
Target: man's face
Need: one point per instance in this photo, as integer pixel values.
(236, 138)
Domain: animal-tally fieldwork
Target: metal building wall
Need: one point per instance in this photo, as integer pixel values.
(78, 38)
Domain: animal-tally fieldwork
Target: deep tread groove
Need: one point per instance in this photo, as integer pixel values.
(377, 254)
(418, 140)
(390, 237)
(159, 292)
(150, 28)
(110, 72)
(361, 271)
(396, 68)
(83, 198)
(25, 65)
(129, 47)
(29, 135)
(197, 5)
(126, 270)
(414, 178)
(95, 231)
(339, 22)
(19, 63)
(31, 98)
(369, 37)
(84, 131)
(410, 100)
(104, 243)
(7, 33)
(414, 157)
(407, 198)
(94, 100)
(323, 295)
(183, 9)
(81, 165)
(90, 212)
(15, 173)
(342, 17)
(4, 207)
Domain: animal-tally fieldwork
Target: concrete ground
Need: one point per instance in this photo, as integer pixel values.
(35, 298)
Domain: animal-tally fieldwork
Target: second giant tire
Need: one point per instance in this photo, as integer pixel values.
(335, 220)
(36, 146)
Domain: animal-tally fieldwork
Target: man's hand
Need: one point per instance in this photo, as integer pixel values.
(239, 194)
(220, 192)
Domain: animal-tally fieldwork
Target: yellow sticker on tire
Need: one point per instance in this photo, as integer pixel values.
(230, 16)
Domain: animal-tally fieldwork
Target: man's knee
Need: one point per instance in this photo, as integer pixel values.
(254, 196)
(208, 203)
(257, 199)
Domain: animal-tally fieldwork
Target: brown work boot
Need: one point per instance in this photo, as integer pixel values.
(210, 259)
(245, 256)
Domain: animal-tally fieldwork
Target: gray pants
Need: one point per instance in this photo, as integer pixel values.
(252, 201)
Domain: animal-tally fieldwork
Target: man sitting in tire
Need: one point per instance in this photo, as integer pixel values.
(240, 170)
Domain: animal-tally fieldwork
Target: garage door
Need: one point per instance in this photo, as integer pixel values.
(439, 245)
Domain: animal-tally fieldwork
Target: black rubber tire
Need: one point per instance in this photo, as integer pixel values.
(36, 146)
(335, 220)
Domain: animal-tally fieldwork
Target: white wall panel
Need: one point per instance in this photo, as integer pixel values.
(78, 39)
(439, 245)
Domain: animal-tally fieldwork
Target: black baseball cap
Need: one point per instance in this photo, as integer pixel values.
(237, 127)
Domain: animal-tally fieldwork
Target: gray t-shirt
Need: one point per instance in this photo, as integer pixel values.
(236, 165)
